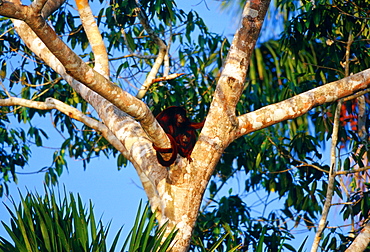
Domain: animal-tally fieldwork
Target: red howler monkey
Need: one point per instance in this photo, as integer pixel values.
(180, 131)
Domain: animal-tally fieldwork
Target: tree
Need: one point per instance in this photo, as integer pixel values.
(286, 86)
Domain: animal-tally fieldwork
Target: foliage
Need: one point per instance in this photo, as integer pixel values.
(48, 224)
(142, 238)
(51, 224)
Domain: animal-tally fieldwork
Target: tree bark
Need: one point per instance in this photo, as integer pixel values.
(361, 241)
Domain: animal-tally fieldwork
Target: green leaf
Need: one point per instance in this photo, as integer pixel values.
(130, 41)
(261, 240)
(155, 97)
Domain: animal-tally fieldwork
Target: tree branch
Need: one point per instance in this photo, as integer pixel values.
(50, 7)
(161, 54)
(362, 130)
(94, 37)
(167, 78)
(51, 103)
(330, 187)
(361, 241)
(302, 103)
(333, 160)
(356, 95)
(166, 63)
(38, 5)
(366, 168)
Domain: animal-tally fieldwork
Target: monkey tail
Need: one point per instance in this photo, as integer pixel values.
(172, 150)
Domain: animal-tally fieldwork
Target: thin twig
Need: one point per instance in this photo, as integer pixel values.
(330, 187)
(366, 168)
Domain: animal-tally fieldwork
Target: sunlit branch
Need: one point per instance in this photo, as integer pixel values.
(94, 37)
(361, 241)
(302, 103)
(162, 51)
(166, 64)
(331, 181)
(366, 168)
(356, 95)
(167, 78)
(51, 103)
